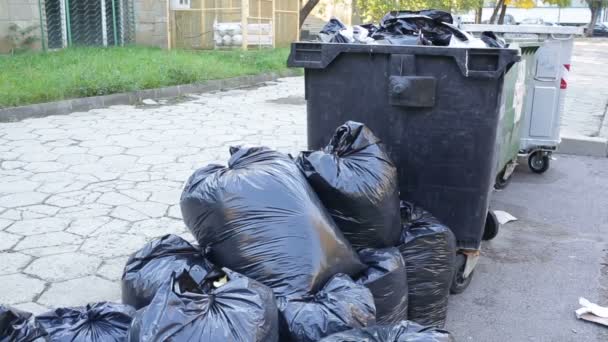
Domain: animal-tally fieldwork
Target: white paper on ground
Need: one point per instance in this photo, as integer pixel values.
(588, 307)
(592, 312)
(504, 217)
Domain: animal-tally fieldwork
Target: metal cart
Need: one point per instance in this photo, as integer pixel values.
(545, 90)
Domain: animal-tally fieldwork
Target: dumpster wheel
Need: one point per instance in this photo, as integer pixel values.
(490, 230)
(500, 182)
(504, 176)
(538, 162)
(459, 282)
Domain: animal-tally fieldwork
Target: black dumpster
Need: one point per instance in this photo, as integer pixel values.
(435, 108)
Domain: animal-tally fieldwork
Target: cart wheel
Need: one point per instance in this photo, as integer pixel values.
(500, 182)
(459, 282)
(490, 229)
(538, 162)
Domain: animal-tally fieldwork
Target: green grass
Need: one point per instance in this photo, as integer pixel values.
(80, 72)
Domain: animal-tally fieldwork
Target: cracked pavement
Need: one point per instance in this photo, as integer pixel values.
(79, 193)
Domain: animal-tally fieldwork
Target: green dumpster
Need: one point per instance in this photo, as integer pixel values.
(508, 141)
(545, 91)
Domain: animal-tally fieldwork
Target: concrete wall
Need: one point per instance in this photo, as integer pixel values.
(21, 12)
(151, 22)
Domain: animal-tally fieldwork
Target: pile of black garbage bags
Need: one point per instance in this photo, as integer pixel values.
(313, 248)
(426, 27)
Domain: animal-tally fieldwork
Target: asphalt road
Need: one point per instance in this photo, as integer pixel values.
(528, 281)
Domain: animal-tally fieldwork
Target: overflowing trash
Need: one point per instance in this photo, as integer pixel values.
(336, 32)
(225, 306)
(16, 326)
(429, 250)
(150, 267)
(357, 183)
(330, 33)
(426, 27)
(404, 331)
(340, 305)
(275, 260)
(434, 14)
(260, 217)
(99, 322)
(386, 278)
(429, 25)
(492, 40)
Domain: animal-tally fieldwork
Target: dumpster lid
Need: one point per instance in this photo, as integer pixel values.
(472, 62)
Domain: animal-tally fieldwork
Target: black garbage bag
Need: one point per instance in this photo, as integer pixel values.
(331, 32)
(342, 304)
(226, 306)
(492, 40)
(436, 15)
(357, 182)
(99, 322)
(404, 331)
(15, 326)
(411, 213)
(371, 28)
(429, 250)
(260, 217)
(150, 267)
(386, 278)
(383, 38)
(431, 26)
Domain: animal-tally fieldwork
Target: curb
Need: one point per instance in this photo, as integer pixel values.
(84, 104)
(584, 146)
(604, 127)
(588, 146)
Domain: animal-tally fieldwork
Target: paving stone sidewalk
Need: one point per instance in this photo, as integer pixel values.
(79, 193)
(587, 94)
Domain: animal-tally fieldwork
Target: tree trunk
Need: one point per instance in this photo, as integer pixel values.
(595, 6)
(495, 11)
(306, 9)
(503, 11)
(356, 16)
(478, 13)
